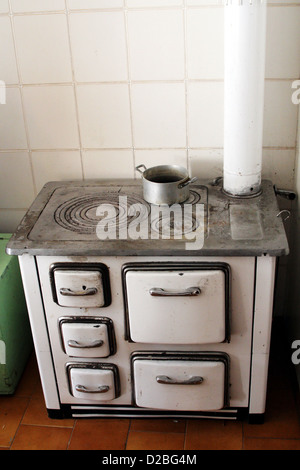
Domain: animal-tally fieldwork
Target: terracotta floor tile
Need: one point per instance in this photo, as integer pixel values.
(155, 441)
(281, 421)
(37, 391)
(36, 413)
(281, 417)
(24, 423)
(41, 438)
(158, 425)
(29, 380)
(12, 410)
(271, 444)
(100, 434)
(214, 435)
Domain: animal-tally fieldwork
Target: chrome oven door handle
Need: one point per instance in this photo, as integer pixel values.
(74, 344)
(83, 389)
(165, 380)
(79, 293)
(190, 292)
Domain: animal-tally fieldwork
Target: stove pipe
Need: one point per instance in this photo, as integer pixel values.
(245, 44)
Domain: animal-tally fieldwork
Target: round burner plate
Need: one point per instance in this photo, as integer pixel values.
(83, 214)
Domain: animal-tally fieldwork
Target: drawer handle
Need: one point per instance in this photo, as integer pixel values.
(74, 344)
(79, 293)
(83, 389)
(164, 379)
(190, 292)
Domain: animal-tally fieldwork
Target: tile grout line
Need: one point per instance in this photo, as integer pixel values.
(71, 435)
(282, 4)
(185, 434)
(20, 86)
(20, 422)
(128, 432)
(186, 97)
(107, 149)
(128, 62)
(176, 433)
(74, 85)
(137, 82)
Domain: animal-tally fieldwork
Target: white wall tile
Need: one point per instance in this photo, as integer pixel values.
(99, 46)
(10, 219)
(90, 4)
(206, 163)
(16, 188)
(278, 166)
(153, 3)
(104, 116)
(221, 2)
(159, 115)
(204, 2)
(205, 43)
(283, 43)
(25, 6)
(56, 166)
(156, 44)
(280, 119)
(51, 117)
(12, 127)
(4, 6)
(8, 66)
(205, 114)
(156, 53)
(282, 2)
(160, 157)
(43, 48)
(101, 164)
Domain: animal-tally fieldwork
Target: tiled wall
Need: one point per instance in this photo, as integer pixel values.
(96, 87)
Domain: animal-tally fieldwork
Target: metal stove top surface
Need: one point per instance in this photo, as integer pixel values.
(110, 217)
(74, 213)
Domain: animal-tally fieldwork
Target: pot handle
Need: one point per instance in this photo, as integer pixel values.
(189, 181)
(140, 166)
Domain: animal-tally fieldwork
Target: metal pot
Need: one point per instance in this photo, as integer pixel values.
(165, 184)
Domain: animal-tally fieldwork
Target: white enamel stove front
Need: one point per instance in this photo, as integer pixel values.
(142, 334)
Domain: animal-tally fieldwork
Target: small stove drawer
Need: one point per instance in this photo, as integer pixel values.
(195, 382)
(87, 337)
(98, 382)
(80, 285)
(177, 306)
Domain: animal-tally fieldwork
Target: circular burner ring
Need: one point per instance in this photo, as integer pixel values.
(167, 227)
(79, 214)
(194, 198)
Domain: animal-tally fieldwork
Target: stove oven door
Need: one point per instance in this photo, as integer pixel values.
(177, 305)
(178, 381)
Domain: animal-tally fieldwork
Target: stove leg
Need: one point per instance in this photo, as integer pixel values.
(64, 412)
(256, 418)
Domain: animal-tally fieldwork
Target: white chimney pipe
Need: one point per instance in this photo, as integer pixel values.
(245, 43)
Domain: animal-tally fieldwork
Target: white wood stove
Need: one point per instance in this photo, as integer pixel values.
(145, 315)
(164, 326)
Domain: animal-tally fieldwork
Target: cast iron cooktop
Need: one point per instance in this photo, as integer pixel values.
(64, 220)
